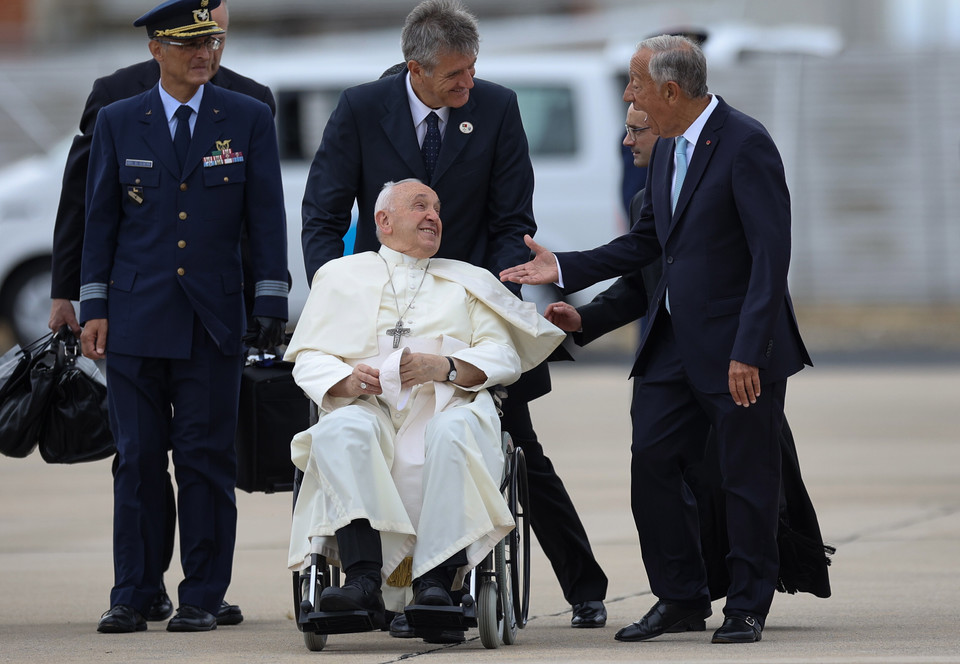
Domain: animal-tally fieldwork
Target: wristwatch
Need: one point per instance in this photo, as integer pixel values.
(452, 375)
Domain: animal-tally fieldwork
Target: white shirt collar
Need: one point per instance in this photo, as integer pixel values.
(692, 134)
(420, 111)
(396, 258)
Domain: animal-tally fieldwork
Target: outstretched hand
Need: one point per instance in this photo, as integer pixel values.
(541, 270)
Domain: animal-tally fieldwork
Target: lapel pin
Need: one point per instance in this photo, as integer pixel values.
(708, 142)
(216, 111)
(466, 128)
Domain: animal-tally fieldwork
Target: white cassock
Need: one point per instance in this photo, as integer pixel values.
(422, 465)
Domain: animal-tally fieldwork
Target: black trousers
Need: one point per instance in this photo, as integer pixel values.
(552, 515)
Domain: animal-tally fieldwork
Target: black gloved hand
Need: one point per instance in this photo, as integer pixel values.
(265, 333)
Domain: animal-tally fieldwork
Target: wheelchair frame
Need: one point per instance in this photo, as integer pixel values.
(498, 598)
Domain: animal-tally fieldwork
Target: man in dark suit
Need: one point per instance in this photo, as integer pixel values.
(721, 341)
(804, 559)
(174, 174)
(68, 233)
(478, 162)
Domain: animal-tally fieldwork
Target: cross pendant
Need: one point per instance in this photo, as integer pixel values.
(397, 332)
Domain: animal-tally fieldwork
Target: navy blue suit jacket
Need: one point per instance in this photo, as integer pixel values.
(121, 84)
(725, 254)
(483, 175)
(150, 265)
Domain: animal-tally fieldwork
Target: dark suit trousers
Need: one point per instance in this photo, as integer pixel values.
(552, 515)
(189, 407)
(671, 420)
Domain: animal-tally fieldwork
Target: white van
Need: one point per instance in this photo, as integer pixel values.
(571, 111)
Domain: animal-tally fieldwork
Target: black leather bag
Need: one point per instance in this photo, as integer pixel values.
(273, 409)
(76, 425)
(27, 376)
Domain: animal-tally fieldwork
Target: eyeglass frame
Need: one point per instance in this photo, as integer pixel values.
(210, 43)
(635, 132)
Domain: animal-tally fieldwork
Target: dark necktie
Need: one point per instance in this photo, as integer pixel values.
(431, 144)
(181, 137)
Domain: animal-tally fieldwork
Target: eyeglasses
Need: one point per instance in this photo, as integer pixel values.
(211, 43)
(635, 132)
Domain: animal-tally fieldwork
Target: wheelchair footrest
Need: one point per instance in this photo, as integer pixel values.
(426, 619)
(340, 622)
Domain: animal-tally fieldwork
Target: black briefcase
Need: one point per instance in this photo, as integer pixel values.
(272, 410)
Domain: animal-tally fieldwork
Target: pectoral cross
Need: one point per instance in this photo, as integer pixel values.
(397, 332)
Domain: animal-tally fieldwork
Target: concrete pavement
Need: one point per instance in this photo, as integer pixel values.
(880, 452)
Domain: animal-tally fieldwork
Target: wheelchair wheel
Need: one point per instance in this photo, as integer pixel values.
(505, 612)
(314, 642)
(487, 623)
(517, 554)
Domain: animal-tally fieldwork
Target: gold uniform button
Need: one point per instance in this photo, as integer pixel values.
(181, 271)
(182, 244)
(183, 186)
(182, 215)
(137, 181)
(226, 179)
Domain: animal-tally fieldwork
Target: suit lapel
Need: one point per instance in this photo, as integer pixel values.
(156, 132)
(454, 140)
(702, 153)
(206, 131)
(397, 124)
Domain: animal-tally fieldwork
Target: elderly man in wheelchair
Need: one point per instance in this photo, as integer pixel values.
(401, 472)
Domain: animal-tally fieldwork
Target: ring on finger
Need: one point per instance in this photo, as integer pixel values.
(363, 386)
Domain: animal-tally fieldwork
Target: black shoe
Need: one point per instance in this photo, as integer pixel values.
(738, 629)
(401, 629)
(192, 619)
(229, 614)
(121, 619)
(353, 596)
(589, 614)
(161, 608)
(665, 617)
(431, 592)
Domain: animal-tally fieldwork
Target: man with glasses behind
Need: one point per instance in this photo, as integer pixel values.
(175, 173)
(68, 234)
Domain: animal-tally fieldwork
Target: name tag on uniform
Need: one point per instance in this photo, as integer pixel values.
(139, 163)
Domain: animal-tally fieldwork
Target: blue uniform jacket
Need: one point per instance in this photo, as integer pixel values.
(160, 248)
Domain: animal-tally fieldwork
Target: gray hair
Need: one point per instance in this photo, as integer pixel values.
(437, 27)
(678, 59)
(386, 196)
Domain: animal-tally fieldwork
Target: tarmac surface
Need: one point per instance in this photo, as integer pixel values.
(880, 453)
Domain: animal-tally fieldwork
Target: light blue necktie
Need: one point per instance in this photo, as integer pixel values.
(681, 170)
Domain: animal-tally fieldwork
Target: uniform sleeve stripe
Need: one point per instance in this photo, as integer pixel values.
(269, 288)
(93, 292)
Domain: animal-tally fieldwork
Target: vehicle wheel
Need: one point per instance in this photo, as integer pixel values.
(26, 300)
(314, 642)
(487, 615)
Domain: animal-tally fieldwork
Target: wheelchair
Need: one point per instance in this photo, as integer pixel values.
(496, 599)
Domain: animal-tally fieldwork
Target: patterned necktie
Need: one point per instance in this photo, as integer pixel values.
(181, 137)
(681, 170)
(431, 144)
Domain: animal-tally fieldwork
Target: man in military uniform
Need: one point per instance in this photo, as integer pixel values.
(173, 173)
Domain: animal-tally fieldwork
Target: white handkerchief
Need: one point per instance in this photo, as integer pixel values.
(393, 393)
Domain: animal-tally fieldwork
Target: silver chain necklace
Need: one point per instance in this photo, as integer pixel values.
(399, 330)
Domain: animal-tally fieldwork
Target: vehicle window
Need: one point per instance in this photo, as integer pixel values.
(301, 117)
(549, 119)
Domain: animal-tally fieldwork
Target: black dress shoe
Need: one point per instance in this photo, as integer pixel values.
(401, 629)
(353, 596)
(589, 614)
(662, 618)
(161, 608)
(229, 614)
(192, 619)
(738, 629)
(121, 619)
(432, 596)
